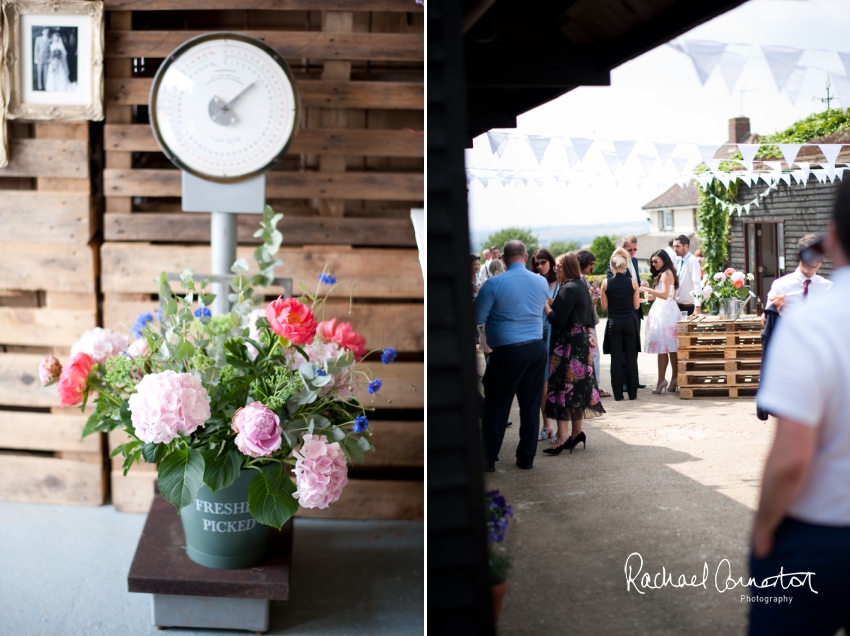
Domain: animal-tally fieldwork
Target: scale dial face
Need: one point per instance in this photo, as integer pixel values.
(224, 107)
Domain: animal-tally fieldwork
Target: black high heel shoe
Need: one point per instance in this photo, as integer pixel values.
(581, 437)
(557, 450)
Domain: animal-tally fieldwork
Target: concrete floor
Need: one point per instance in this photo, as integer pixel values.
(676, 481)
(63, 572)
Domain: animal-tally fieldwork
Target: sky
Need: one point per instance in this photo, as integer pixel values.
(658, 97)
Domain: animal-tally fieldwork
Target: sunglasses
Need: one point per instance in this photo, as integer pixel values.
(813, 254)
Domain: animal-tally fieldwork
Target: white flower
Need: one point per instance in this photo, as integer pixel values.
(737, 276)
(720, 277)
(707, 291)
(750, 276)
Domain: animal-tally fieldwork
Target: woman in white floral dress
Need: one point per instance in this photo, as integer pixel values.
(660, 334)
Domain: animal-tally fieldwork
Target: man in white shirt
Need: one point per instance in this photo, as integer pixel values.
(484, 274)
(689, 296)
(804, 283)
(803, 521)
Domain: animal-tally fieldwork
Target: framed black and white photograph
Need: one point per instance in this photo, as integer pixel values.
(53, 60)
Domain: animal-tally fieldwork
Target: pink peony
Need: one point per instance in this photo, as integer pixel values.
(49, 370)
(320, 472)
(344, 335)
(720, 277)
(292, 320)
(73, 379)
(101, 344)
(729, 271)
(167, 404)
(139, 348)
(258, 430)
(738, 284)
(737, 276)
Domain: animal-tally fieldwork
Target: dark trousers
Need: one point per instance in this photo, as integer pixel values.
(622, 338)
(803, 547)
(689, 309)
(513, 371)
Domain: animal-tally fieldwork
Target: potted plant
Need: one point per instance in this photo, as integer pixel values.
(727, 291)
(497, 513)
(249, 415)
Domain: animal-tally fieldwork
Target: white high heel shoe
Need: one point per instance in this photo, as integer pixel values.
(661, 388)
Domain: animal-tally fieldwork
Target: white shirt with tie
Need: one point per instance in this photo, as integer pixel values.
(690, 280)
(792, 287)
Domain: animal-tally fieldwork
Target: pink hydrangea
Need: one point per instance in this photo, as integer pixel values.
(49, 370)
(258, 430)
(73, 380)
(167, 404)
(720, 277)
(320, 472)
(139, 348)
(292, 320)
(101, 344)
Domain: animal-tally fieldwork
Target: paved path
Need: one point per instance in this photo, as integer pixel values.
(674, 480)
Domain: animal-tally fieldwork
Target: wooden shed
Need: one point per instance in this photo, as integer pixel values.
(90, 213)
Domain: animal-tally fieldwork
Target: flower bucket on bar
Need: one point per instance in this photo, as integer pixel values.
(249, 415)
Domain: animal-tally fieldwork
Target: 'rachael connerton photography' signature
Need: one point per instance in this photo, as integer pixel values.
(723, 579)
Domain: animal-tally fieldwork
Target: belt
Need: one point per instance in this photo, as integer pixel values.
(685, 305)
(516, 344)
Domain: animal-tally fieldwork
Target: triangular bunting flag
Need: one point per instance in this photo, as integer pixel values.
(572, 156)
(842, 85)
(624, 150)
(795, 83)
(782, 60)
(731, 66)
(498, 142)
(705, 56)
(581, 146)
(538, 146)
(798, 176)
(664, 151)
(786, 177)
(820, 175)
(704, 179)
(707, 152)
(747, 208)
(612, 159)
(764, 176)
(680, 163)
(646, 163)
(540, 182)
(845, 60)
(804, 170)
(483, 180)
(789, 152)
(830, 153)
(748, 152)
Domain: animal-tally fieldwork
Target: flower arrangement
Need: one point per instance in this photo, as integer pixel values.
(207, 396)
(729, 284)
(497, 513)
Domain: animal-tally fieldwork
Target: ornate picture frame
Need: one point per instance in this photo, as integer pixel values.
(53, 59)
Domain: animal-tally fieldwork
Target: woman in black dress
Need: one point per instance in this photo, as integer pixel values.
(573, 394)
(621, 297)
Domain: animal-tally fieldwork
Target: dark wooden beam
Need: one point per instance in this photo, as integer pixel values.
(551, 65)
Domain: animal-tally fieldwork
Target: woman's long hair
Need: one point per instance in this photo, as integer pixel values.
(545, 255)
(570, 268)
(666, 264)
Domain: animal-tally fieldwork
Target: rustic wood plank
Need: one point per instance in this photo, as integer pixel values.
(16, 298)
(396, 392)
(44, 327)
(47, 158)
(19, 384)
(397, 325)
(195, 228)
(51, 480)
(46, 432)
(373, 273)
(289, 44)
(278, 5)
(47, 266)
(397, 444)
(328, 141)
(47, 217)
(374, 499)
(133, 492)
(68, 300)
(318, 93)
(280, 184)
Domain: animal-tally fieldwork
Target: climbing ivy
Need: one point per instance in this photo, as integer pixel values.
(714, 223)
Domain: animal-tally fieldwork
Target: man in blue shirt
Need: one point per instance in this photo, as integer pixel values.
(511, 307)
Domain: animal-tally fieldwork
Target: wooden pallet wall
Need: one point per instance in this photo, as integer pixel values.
(346, 188)
(49, 234)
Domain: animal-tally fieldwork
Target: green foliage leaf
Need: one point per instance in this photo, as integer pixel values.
(180, 476)
(185, 350)
(714, 224)
(240, 266)
(270, 499)
(363, 443)
(153, 453)
(512, 233)
(222, 467)
(562, 247)
(602, 248)
(353, 450)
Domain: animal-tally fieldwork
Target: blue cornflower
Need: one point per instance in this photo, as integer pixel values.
(321, 372)
(202, 311)
(388, 355)
(141, 321)
(159, 313)
(374, 386)
(360, 424)
(327, 279)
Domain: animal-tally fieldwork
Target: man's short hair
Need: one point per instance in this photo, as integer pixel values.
(806, 240)
(494, 248)
(475, 258)
(514, 248)
(585, 258)
(629, 238)
(684, 240)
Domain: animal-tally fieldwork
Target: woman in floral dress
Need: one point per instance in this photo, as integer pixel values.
(660, 333)
(572, 394)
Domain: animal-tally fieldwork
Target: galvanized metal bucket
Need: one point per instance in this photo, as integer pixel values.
(220, 532)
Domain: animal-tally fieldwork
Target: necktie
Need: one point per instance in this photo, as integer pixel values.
(806, 284)
(681, 263)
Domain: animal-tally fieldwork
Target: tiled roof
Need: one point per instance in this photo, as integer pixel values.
(654, 241)
(676, 196)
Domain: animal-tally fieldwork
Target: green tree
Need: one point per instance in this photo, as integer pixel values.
(513, 234)
(714, 222)
(602, 248)
(562, 247)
